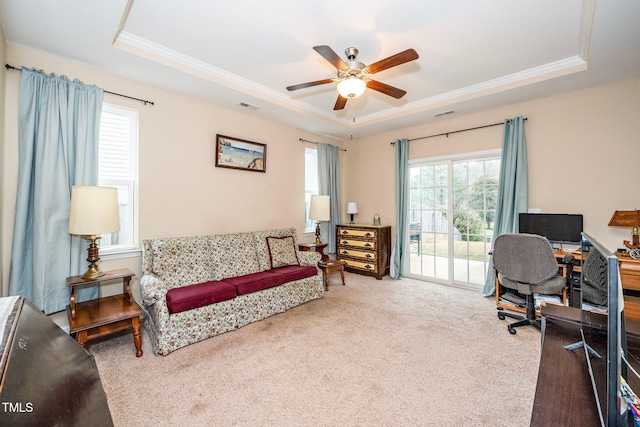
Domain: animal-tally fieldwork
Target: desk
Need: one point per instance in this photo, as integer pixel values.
(569, 292)
(630, 276)
(564, 395)
(48, 377)
(573, 283)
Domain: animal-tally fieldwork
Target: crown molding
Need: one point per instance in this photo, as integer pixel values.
(147, 49)
(155, 52)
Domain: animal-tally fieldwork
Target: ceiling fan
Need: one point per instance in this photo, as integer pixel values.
(353, 76)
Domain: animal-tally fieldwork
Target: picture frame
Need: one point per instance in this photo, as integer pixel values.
(235, 153)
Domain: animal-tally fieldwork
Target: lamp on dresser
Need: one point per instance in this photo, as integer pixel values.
(352, 208)
(93, 211)
(319, 211)
(630, 219)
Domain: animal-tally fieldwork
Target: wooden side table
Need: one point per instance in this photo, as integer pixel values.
(329, 267)
(104, 316)
(317, 247)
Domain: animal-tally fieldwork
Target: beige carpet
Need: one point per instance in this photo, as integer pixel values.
(372, 353)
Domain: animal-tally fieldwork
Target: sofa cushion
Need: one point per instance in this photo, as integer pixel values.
(295, 272)
(181, 261)
(282, 251)
(254, 282)
(199, 295)
(262, 250)
(232, 255)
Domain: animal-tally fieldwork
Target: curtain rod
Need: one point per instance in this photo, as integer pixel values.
(11, 67)
(313, 142)
(455, 131)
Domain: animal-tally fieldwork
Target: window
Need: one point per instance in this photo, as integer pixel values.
(310, 185)
(452, 209)
(118, 167)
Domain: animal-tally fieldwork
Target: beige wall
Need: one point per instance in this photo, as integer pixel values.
(583, 149)
(3, 74)
(181, 192)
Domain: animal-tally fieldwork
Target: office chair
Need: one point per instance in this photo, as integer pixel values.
(526, 263)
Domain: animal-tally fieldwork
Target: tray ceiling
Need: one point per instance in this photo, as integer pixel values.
(474, 55)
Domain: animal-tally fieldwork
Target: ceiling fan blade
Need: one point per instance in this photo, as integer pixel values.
(340, 103)
(309, 84)
(392, 61)
(330, 55)
(386, 89)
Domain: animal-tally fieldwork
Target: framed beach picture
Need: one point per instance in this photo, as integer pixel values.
(237, 153)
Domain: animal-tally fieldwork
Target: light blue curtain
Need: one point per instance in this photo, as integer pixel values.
(329, 184)
(512, 189)
(58, 128)
(402, 208)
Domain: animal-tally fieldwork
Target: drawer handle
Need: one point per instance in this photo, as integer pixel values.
(368, 234)
(344, 242)
(368, 256)
(368, 266)
(345, 252)
(368, 245)
(345, 232)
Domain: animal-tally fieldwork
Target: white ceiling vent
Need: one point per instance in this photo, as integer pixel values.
(443, 113)
(249, 106)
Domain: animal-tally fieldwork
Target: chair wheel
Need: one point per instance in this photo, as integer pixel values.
(512, 331)
(501, 316)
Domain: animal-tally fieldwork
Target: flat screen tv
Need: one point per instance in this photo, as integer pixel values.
(603, 331)
(557, 228)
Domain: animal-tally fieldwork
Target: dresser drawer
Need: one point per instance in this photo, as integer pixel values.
(366, 266)
(369, 256)
(353, 232)
(357, 243)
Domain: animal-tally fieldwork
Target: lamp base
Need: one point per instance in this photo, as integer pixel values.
(635, 239)
(93, 257)
(93, 273)
(318, 241)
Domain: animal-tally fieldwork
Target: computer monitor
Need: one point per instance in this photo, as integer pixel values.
(557, 228)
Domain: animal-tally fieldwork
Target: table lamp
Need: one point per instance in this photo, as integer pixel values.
(319, 211)
(352, 208)
(93, 211)
(628, 219)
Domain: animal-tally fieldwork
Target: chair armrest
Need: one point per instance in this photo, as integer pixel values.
(308, 257)
(152, 288)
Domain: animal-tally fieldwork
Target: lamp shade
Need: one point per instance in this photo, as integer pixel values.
(94, 210)
(352, 208)
(625, 219)
(319, 209)
(351, 87)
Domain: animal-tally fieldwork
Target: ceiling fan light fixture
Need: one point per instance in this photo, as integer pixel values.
(351, 87)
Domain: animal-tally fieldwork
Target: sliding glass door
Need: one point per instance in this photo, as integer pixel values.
(451, 211)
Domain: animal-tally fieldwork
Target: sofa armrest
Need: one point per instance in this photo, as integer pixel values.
(152, 288)
(308, 257)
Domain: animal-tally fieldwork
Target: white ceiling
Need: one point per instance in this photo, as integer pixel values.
(473, 54)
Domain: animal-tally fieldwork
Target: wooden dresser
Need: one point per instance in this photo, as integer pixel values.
(365, 249)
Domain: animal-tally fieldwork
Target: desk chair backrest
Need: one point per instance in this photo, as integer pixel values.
(524, 258)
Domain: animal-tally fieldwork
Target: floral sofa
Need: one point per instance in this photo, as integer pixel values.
(194, 288)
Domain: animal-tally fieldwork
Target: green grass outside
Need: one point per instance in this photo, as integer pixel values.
(461, 249)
